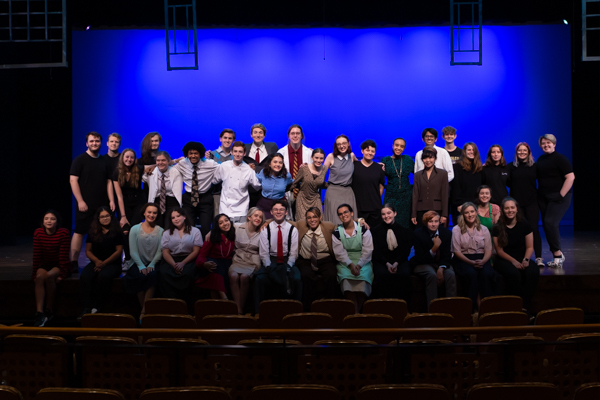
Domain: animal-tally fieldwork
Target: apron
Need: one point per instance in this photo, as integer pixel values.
(353, 246)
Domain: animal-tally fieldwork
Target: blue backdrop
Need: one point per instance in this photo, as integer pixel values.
(365, 83)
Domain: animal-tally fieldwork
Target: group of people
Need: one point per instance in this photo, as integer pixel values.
(261, 219)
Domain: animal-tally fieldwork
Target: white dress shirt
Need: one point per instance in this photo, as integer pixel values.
(234, 193)
(205, 170)
(443, 161)
(342, 255)
(262, 151)
(268, 250)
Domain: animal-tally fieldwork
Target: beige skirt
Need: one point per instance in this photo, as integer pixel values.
(351, 285)
(245, 263)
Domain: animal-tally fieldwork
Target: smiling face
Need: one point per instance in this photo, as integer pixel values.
(258, 135)
(470, 152)
(278, 211)
(485, 196)
(155, 142)
(368, 153)
(150, 214)
(238, 153)
(318, 159)
(104, 218)
(547, 146)
(128, 158)
(428, 162)
(510, 210)
(162, 163)
(312, 220)
(342, 145)
(496, 154)
(224, 223)
(113, 144)
(193, 156)
(93, 143)
(256, 218)
(398, 147)
(177, 219)
(50, 222)
(429, 139)
(433, 224)
(345, 215)
(522, 153)
(276, 164)
(295, 135)
(387, 215)
(226, 140)
(470, 214)
(449, 137)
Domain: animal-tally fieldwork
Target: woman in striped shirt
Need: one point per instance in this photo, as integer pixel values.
(50, 263)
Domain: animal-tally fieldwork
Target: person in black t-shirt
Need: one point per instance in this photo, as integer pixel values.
(513, 239)
(92, 189)
(449, 135)
(103, 247)
(555, 180)
(368, 182)
(111, 158)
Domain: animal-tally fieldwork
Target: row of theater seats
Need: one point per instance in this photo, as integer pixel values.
(514, 391)
(339, 314)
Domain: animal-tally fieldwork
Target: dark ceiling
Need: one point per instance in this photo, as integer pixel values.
(107, 14)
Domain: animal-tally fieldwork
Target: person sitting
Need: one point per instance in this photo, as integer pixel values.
(513, 238)
(316, 260)
(246, 260)
(215, 257)
(50, 263)
(432, 259)
(278, 276)
(180, 246)
(104, 246)
(472, 247)
(392, 245)
(353, 248)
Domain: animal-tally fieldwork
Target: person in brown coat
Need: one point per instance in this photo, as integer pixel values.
(430, 190)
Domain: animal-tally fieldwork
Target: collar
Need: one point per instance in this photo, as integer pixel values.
(166, 173)
(346, 157)
(222, 152)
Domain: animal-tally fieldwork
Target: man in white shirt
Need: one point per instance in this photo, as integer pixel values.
(220, 155)
(278, 251)
(197, 174)
(257, 153)
(236, 175)
(443, 160)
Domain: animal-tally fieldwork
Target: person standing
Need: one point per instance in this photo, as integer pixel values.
(339, 189)
(165, 186)
(197, 173)
(308, 183)
(257, 153)
(467, 178)
(449, 135)
(495, 174)
(92, 188)
(111, 158)
(220, 155)
(442, 160)
(430, 191)
(555, 178)
(398, 191)
(368, 182)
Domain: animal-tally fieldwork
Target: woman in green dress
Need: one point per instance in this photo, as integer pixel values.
(398, 191)
(488, 212)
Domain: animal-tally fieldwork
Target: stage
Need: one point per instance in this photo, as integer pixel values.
(577, 284)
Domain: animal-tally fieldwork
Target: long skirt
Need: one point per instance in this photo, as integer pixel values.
(334, 197)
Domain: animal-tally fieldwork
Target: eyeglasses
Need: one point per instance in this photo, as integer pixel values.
(343, 213)
(429, 137)
(278, 210)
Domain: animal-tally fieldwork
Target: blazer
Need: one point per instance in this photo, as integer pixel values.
(326, 227)
(271, 148)
(152, 181)
(424, 243)
(430, 194)
(306, 156)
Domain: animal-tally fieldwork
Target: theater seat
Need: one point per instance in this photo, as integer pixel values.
(186, 393)
(422, 391)
(294, 392)
(78, 394)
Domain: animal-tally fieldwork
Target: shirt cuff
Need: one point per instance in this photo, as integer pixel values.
(443, 266)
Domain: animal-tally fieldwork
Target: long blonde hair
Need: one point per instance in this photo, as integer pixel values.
(461, 220)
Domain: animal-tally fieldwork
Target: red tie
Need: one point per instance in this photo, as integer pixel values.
(257, 157)
(279, 246)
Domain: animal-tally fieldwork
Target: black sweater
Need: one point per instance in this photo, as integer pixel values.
(523, 184)
(496, 177)
(381, 253)
(464, 185)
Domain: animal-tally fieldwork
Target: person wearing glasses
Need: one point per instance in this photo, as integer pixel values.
(339, 189)
(443, 160)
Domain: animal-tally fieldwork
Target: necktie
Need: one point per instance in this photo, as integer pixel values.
(195, 195)
(313, 252)
(279, 246)
(295, 164)
(163, 195)
(257, 156)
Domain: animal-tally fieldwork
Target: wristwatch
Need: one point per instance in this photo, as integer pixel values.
(526, 259)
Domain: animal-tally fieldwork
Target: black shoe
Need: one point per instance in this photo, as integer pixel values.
(40, 319)
(49, 315)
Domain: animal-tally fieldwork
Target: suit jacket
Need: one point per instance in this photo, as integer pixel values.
(152, 181)
(271, 148)
(424, 243)
(326, 227)
(430, 194)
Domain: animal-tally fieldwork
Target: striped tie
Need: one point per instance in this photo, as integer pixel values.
(313, 252)
(295, 164)
(163, 195)
(195, 195)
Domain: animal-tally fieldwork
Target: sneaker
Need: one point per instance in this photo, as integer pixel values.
(540, 262)
(49, 315)
(40, 319)
(93, 311)
(557, 262)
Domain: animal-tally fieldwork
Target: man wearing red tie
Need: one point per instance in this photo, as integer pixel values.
(256, 154)
(278, 277)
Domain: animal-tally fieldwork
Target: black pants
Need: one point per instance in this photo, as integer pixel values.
(532, 215)
(552, 213)
(133, 212)
(96, 286)
(204, 210)
(321, 284)
(392, 286)
(372, 218)
(475, 280)
(268, 283)
(164, 220)
(519, 282)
